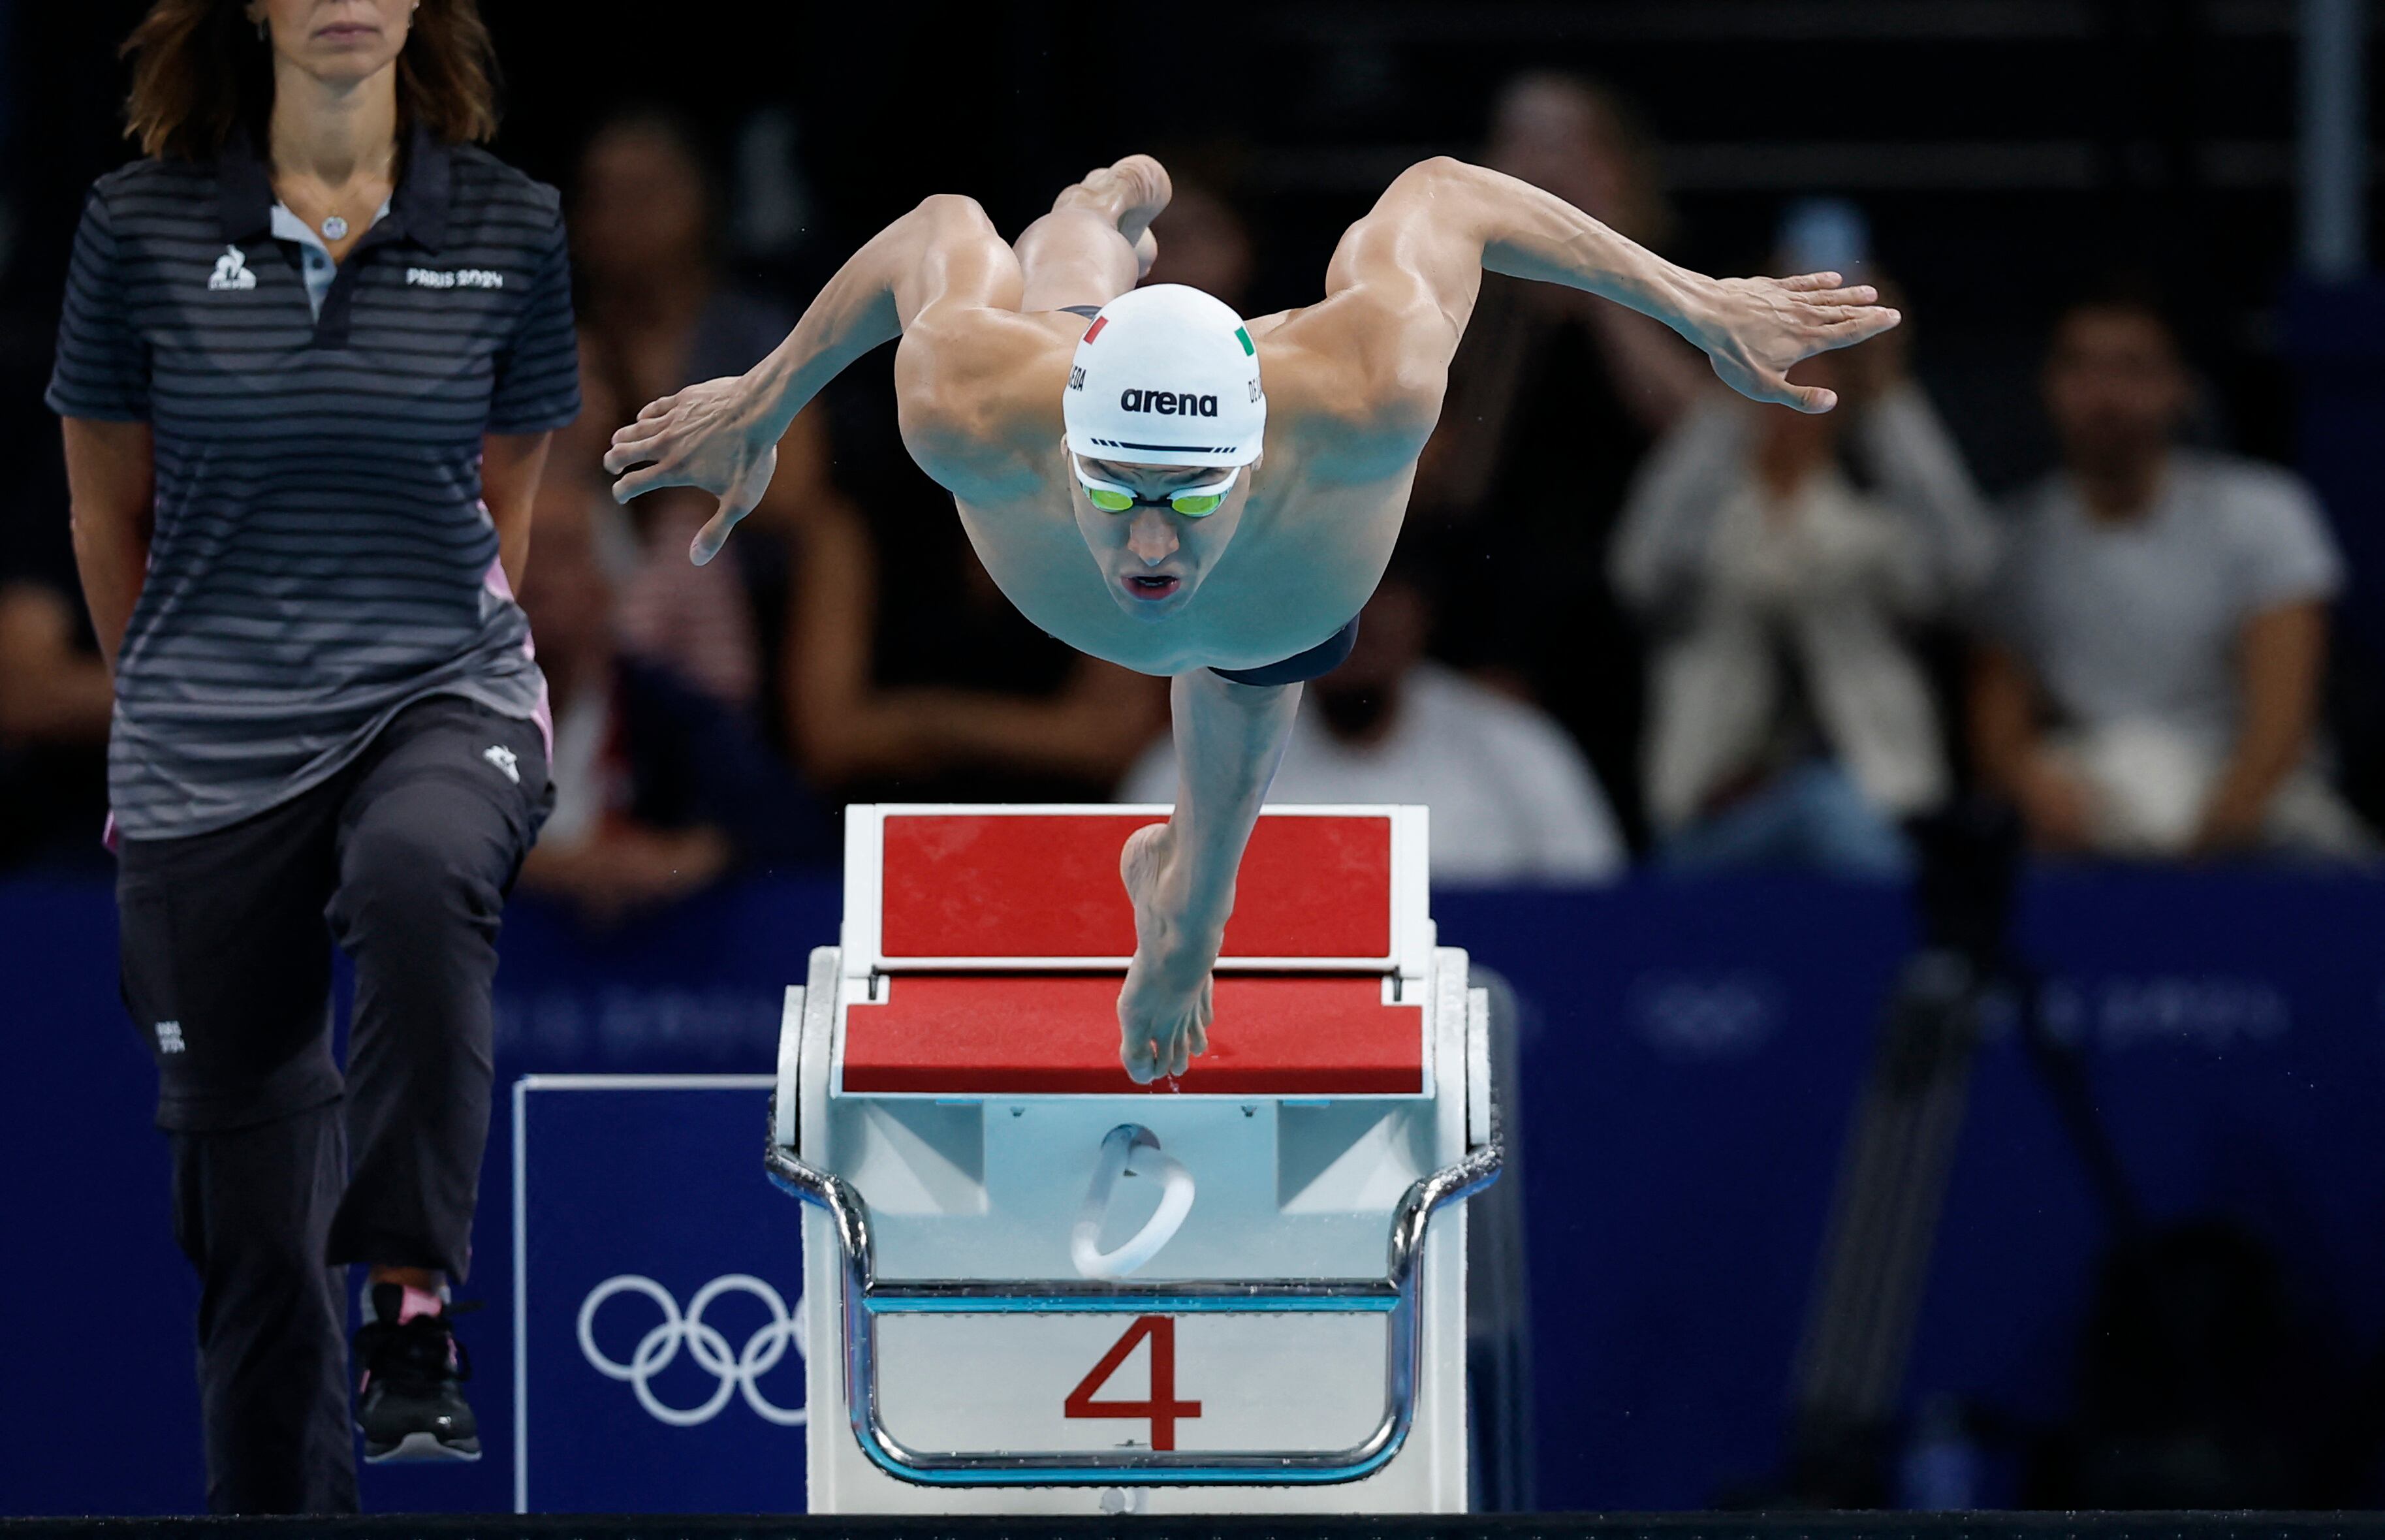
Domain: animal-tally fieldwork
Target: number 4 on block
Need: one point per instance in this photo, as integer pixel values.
(1161, 1408)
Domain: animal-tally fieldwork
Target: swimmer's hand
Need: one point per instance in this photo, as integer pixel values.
(710, 436)
(1165, 1011)
(1754, 329)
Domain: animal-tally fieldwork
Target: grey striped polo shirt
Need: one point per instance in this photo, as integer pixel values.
(321, 557)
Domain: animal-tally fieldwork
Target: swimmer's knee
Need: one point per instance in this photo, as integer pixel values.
(956, 211)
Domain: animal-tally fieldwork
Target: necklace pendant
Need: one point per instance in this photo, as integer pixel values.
(335, 229)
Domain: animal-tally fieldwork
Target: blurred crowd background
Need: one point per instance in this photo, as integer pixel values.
(2052, 550)
(2095, 538)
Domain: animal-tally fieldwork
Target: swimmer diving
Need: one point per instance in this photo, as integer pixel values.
(1177, 490)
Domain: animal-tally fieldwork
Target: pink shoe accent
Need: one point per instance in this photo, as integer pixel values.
(418, 1302)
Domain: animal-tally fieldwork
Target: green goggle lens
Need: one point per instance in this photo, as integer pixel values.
(1192, 506)
(1197, 502)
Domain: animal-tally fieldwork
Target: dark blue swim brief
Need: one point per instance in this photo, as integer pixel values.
(1321, 659)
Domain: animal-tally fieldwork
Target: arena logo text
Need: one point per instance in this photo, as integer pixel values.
(1168, 404)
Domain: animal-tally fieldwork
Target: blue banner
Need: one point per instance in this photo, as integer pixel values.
(658, 1297)
(1693, 1052)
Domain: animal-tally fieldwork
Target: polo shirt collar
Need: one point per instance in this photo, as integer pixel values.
(417, 210)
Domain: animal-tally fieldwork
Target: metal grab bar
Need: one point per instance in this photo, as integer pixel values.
(1395, 1295)
(1130, 1150)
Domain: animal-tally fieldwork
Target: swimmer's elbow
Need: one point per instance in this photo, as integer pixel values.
(1440, 191)
(1435, 174)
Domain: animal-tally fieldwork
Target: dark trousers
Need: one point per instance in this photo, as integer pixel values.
(284, 1169)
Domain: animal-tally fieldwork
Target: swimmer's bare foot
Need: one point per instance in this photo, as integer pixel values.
(1164, 1012)
(1130, 193)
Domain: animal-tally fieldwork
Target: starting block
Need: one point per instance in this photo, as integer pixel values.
(1034, 1286)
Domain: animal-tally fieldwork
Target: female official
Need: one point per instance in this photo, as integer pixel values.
(313, 347)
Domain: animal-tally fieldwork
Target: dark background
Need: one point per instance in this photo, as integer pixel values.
(2007, 150)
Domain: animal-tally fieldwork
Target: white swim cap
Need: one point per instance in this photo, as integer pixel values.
(1166, 375)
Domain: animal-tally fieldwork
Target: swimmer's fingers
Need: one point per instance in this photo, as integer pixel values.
(626, 451)
(1827, 289)
(713, 535)
(639, 435)
(1863, 324)
(740, 501)
(638, 439)
(1835, 315)
(642, 480)
(1861, 293)
(1844, 326)
(1773, 389)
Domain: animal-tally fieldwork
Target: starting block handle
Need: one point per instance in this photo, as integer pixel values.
(1130, 1150)
(1396, 1294)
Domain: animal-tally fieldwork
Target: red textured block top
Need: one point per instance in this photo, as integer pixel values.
(1029, 885)
(1045, 1034)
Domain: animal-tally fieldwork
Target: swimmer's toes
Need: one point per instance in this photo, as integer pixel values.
(1147, 192)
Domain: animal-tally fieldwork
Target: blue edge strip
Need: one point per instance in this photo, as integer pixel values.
(1503, 1526)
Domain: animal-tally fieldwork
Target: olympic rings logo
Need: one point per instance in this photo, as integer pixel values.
(705, 1344)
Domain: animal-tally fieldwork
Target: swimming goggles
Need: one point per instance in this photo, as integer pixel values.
(1191, 502)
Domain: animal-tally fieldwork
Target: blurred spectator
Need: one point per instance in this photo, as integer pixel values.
(1513, 800)
(1779, 558)
(2157, 632)
(914, 679)
(655, 317)
(1203, 243)
(1553, 398)
(659, 789)
(56, 695)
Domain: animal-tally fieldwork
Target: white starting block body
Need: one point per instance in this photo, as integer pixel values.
(1034, 1286)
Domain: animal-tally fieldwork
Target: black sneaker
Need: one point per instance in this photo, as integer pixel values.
(408, 1406)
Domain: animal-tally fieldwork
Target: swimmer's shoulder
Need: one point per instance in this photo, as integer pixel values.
(1327, 401)
(978, 395)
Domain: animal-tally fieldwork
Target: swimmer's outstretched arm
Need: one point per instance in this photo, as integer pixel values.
(1403, 284)
(940, 278)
